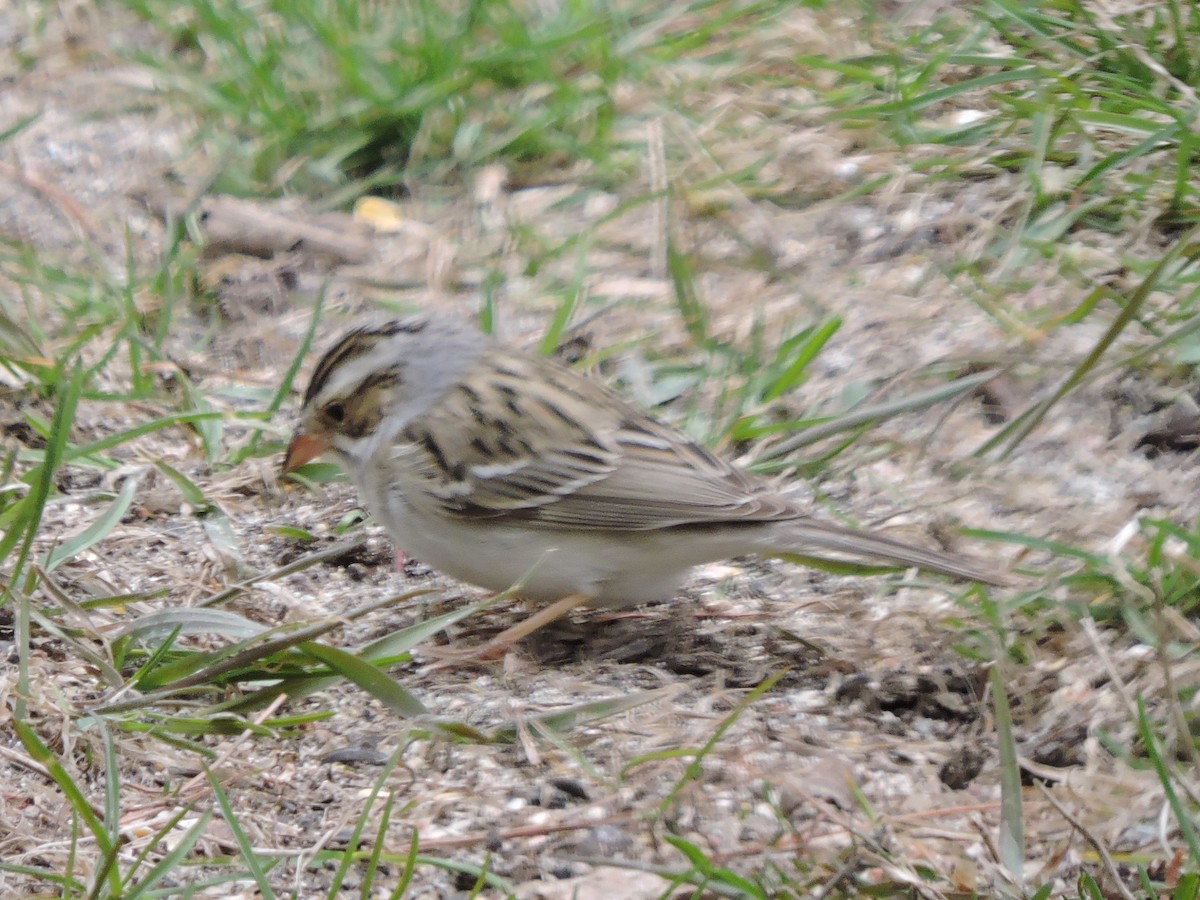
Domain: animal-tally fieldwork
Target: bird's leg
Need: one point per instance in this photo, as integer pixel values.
(400, 559)
(500, 644)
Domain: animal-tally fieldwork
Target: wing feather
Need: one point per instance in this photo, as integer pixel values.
(541, 445)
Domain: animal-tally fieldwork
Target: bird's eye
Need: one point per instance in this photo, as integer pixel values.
(336, 412)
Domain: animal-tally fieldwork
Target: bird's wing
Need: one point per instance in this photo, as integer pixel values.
(539, 444)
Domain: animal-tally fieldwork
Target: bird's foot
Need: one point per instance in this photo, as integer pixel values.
(496, 648)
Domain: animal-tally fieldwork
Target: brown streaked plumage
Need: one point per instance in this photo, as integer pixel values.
(494, 466)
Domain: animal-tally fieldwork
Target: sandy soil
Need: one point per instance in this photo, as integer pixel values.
(879, 696)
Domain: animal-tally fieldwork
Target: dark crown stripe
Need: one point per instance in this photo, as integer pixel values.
(355, 342)
(390, 375)
(350, 345)
(401, 326)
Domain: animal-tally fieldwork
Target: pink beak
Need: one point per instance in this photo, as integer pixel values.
(304, 448)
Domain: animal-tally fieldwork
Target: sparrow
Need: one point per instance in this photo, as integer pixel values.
(502, 468)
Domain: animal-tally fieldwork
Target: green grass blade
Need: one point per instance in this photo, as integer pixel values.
(178, 849)
(1185, 819)
(367, 677)
(810, 348)
(34, 505)
(410, 866)
(115, 440)
(868, 415)
(388, 647)
(687, 298)
(249, 857)
(79, 804)
(97, 531)
(694, 771)
(371, 867)
(284, 390)
(361, 825)
(1020, 428)
(67, 884)
(1012, 816)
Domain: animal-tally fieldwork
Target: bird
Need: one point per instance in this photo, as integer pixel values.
(500, 467)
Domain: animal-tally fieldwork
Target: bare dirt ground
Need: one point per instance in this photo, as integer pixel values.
(876, 696)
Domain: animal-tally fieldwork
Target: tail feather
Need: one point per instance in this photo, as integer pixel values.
(860, 546)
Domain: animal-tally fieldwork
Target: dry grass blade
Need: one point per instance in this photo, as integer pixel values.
(299, 565)
(81, 636)
(1114, 877)
(585, 713)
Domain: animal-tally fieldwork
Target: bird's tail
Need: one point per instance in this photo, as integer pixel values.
(813, 540)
